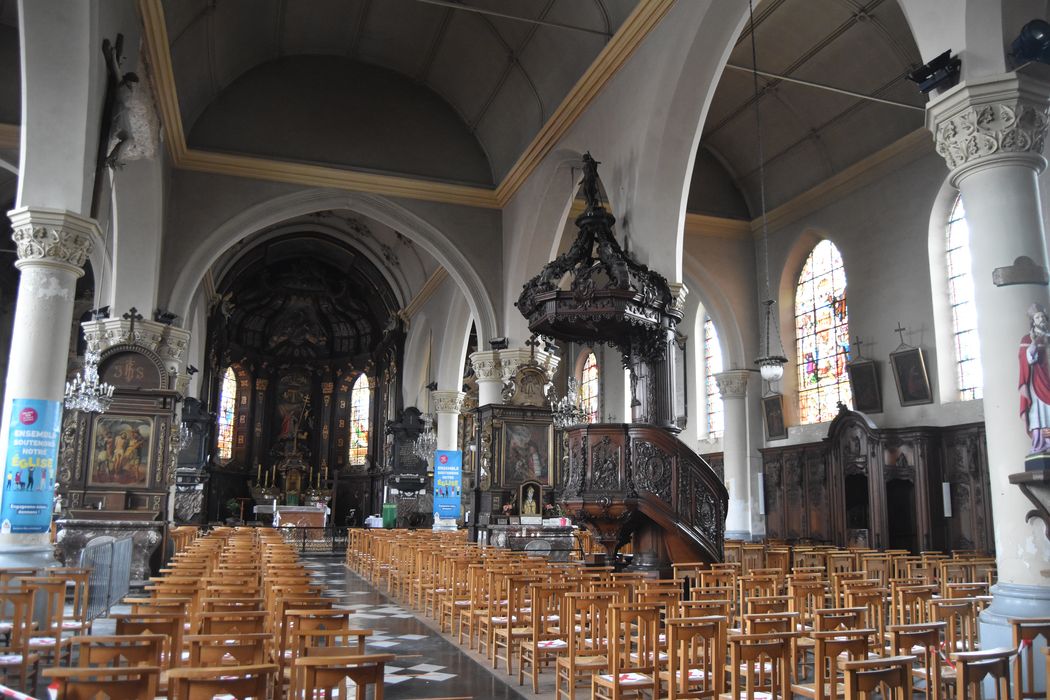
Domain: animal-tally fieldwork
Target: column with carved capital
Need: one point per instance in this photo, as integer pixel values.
(447, 405)
(732, 385)
(52, 248)
(489, 373)
(990, 132)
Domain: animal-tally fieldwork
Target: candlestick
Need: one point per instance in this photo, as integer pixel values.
(258, 474)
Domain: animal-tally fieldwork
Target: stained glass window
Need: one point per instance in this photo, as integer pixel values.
(964, 312)
(712, 366)
(227, 406)
(360, 400)
(589, 387)
(822, 335)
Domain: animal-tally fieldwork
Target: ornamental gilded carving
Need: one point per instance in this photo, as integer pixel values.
(50, 241)
(987, 129)
(733, 384)
(448, 401)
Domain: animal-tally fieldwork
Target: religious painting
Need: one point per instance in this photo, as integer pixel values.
(130, 370)
(773, 408)
(864, 381)
(121, 449)
(527, 452)
(909, 371)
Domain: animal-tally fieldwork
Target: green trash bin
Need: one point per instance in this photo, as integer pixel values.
(389, 515)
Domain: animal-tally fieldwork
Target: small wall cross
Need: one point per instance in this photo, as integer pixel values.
(900, 331)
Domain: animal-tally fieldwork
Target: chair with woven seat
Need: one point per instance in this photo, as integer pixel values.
(588, 650)
(171, 626)
(831, 648)
(508, 633)
(759, 667)
(240, 682)
(634, 652)
(865, 680)
(551, 627)
(695, 657)
(324, 677)
(76, 620)
(126, 683)
(921, 641)
(16, 658)
(973, 667)
(1025, 632)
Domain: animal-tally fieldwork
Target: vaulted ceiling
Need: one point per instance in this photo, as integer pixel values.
(501, 77)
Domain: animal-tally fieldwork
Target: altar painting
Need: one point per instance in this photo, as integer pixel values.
(526, 452)
(121, 449)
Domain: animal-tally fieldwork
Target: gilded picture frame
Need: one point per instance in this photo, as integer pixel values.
(526, 451)
(121, 451)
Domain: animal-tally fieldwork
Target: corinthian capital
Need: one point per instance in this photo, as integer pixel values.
(486, 364)
(732, 384)
(448, 401)
(986, 120)
(52, 237)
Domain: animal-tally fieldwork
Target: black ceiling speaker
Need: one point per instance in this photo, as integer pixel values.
(1032, 44)
(941, 72)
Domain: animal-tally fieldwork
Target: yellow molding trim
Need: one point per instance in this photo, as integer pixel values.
(158, 52)
(901, 152)
(717, 226)
(428, 289)
(338, 178)
(10, 136)
(628, 37)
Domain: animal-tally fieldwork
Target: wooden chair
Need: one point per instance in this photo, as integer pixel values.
(923, 642)
(510, 632)
(972, 667)
(125, 683)
(891, 674)
(248, 622)
(241, 682)
(588, 650)
(16, 658)
(115, 651)
(1025, 632)
(695, 658)
(759, 667)
(229, 650)
(831, 648)
(80, 579)
(171, 626)
(551, 627)
(634, 652)
(324, 676)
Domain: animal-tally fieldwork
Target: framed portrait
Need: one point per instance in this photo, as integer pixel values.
(773, 409)
(864, 382)
(909, 371)
(121, 450)
(526, 452)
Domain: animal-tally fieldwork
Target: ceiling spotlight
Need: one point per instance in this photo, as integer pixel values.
(941, 72)
(1032, 44)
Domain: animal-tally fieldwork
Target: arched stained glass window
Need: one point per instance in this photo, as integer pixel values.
(822, 335)
(227, 407)
(360, 401)
(712, 366)
(964, 311)
(589, 387)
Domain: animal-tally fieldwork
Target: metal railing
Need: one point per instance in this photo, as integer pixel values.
(110, 562)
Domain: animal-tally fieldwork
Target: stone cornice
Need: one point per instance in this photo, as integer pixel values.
(53, 237)
(984, 121)
(732, 384)
(169, 343)
(432, 284)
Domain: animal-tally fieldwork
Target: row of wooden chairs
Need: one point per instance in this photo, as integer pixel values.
(710, 622)
(235, 613)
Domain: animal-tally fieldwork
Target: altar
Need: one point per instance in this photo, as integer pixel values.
(295, 516)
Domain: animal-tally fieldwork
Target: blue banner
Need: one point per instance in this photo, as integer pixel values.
(448, 483)
(32, 458)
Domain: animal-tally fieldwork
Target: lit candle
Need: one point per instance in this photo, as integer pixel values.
(258, 474)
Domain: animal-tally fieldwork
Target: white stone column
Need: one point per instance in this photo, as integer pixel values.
(489, 374)
(52, 247)
(990, 132)
(732, 385)
(447, 406)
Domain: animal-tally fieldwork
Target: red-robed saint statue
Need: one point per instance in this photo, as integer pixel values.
(1034, 384)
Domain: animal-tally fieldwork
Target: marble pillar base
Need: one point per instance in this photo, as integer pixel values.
(40, 556)
(446, 525)
(146, 536)
(1013, 601)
